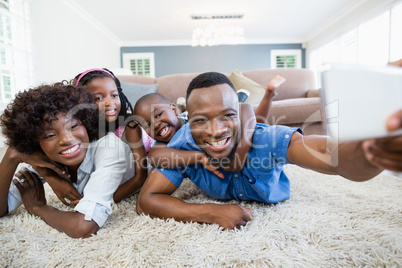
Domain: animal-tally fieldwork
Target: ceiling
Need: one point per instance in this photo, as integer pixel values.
(167, 22)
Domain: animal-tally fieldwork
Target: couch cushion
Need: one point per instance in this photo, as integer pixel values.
(174, 85)
(135, 91)
(138, 79)
(298, 81)
(241, 82)
(314, 93)
(296, 111)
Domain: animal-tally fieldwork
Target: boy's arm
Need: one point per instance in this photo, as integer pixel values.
(33, 197)
(247, 125)
(155, 200)
(133, 135)
(165, 157)
(322, 154)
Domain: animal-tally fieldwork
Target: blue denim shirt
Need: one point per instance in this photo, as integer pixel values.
(261, 179)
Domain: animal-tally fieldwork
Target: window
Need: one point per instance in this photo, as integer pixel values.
(16, 71)
(395, 48)
(286, 58)
(374, 42)
(140, 63)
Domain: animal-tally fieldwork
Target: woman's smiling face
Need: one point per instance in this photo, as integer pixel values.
(64, 140)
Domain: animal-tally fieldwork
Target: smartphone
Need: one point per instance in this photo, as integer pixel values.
(358, 100)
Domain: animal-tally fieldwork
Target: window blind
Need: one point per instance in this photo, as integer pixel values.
(16, 68)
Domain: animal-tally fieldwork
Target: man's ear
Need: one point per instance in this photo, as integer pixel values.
(175, 109)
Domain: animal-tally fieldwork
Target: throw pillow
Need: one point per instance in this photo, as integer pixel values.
(239, 81)
(135, 91)
(313, 93)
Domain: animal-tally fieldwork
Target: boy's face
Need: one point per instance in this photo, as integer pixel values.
(107, 97)
(160, 121)
(65, 140)
(214, 121)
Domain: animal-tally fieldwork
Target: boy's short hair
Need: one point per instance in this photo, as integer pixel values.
(157, 97)
(23, 119)
(208, 79)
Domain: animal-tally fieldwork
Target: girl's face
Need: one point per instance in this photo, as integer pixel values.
(65, 140)
(107, 97)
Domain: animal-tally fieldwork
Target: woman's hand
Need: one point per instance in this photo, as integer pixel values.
(40, 160)
(31, 190)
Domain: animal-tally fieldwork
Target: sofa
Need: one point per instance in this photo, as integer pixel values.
(297, 103)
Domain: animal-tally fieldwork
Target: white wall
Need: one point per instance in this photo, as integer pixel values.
(65, 42)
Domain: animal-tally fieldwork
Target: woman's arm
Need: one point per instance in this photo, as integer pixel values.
(133, 136)
(8, 166)
(33, 197)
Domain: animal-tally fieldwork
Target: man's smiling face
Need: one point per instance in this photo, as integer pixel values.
(214, 119)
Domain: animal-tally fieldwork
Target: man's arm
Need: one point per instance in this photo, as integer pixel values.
(322, 154)
(155, 200)
(33, 197)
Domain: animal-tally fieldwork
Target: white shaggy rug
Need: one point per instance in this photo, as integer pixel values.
(327, 222)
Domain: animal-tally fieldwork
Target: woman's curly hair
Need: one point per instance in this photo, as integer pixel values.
(23, 120)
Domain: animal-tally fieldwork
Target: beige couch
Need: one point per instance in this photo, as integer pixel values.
(297, 103)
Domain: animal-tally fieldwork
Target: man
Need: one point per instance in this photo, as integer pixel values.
(214, 128)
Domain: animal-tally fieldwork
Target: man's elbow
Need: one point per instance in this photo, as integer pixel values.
(3, 210)
(84, 230)
(152, 159)
(139, 205)
(145, 204)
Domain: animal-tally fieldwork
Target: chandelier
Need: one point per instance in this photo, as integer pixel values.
(214, 36)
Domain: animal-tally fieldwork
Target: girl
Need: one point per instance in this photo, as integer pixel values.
(116, 111)
(60, 121)
(118, 114)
